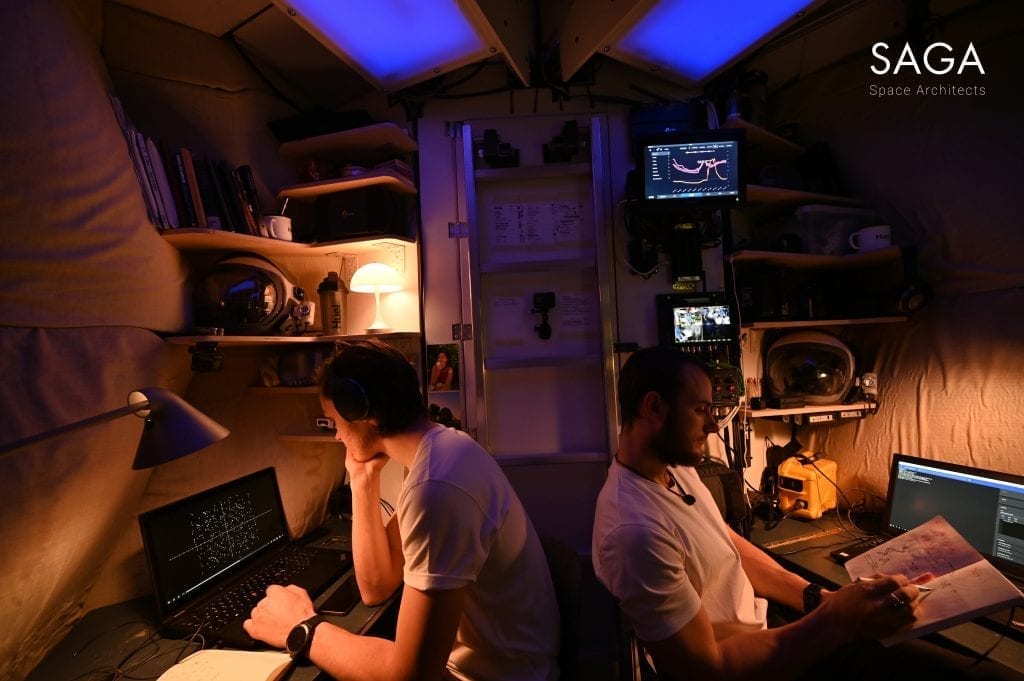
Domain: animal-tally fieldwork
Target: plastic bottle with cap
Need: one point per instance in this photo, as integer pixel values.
(332, 292)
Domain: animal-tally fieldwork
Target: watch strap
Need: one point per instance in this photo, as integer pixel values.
(299, 647)
(812, 596)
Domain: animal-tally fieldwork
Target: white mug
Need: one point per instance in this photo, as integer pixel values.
(276, 226)
(871, 238)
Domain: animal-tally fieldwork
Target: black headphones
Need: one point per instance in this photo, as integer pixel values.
(350, 399)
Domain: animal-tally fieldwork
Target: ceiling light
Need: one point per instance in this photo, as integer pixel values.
(397, 43)
(688, 40)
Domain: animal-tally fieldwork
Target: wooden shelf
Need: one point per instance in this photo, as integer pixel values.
(311, 190)
(379, 141)
(760, 194)
(532, 172)
(833, 412)
(284, 390)
(803, 324)
(764, 141)
(325, 438)
(282, 340)
(198, 239)
(811, 261)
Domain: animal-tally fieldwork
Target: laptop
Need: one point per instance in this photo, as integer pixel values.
(986, 507)
(212, 555)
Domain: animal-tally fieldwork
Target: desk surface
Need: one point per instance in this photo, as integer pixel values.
(803, 546)
(123, 635)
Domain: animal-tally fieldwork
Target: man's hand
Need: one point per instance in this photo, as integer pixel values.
(361, 472)
(875, 608)
(274, 616)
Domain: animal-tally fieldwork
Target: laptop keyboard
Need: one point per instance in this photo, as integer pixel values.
(845, 553)
(241, 598)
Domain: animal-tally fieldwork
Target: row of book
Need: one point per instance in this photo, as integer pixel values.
(183, 190)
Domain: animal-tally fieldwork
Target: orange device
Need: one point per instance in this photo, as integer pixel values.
(806, 488)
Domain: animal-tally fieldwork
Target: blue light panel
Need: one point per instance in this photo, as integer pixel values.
(695, 38)
(399, 40)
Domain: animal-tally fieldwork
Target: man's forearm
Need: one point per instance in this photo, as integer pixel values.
(372, 553)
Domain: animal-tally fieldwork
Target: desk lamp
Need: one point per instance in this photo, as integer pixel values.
(173, 428)
(376, 278)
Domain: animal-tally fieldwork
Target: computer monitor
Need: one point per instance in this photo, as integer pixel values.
(986, 507)
(698, 169)
(694, 321)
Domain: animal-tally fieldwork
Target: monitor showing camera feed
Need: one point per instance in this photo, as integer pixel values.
(693, 169)
(687, 320)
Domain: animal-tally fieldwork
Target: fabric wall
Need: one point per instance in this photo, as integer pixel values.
(944, 172)
(88, 289)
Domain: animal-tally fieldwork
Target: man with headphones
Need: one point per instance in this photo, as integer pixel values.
(478, 601)
(693, 589)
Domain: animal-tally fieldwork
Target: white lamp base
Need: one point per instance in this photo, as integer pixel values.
(378, 325)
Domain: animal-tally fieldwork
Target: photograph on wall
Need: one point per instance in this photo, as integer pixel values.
(443, 398)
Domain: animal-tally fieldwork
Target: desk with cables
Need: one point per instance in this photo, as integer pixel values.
(121, 640)
(803, 546)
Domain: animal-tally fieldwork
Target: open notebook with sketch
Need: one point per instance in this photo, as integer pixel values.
(966, 585)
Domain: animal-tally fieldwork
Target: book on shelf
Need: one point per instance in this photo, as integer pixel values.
(189, 216)
(168, 207)
(965, 585)
(145, 175)
(170, 163)
(209, 195)
(189, 168)
(221, 664)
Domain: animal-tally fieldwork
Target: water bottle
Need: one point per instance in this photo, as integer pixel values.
(332, 292)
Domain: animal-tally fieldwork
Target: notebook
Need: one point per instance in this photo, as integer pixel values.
(212, 555)
(986, 507)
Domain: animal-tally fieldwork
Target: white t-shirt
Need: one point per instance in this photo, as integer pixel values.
(462, 525)
(663, 559)
(391, 477)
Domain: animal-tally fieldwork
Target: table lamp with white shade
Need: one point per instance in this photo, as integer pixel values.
(376, 278)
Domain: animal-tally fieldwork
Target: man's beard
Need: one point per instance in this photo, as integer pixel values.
(669, 450)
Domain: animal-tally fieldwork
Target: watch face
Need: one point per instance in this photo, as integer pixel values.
(296, 641)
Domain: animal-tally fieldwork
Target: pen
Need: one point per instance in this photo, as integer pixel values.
(920, 587)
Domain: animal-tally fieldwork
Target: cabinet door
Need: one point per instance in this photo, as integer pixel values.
(541, 300)
(542, 317)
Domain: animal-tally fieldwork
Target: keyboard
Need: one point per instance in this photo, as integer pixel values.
(288, 568)
(845, 553)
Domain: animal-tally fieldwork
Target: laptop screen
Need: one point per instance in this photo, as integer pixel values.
(195, 544)
(986, 507)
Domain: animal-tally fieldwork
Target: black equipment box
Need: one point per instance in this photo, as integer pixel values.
(367, 212)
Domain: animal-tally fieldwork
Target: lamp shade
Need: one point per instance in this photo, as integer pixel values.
(376, 278)
(173, 428)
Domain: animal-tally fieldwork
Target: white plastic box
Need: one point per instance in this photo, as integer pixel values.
(825, 230)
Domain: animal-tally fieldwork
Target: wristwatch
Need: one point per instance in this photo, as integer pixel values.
(301, 636)
(812, 597)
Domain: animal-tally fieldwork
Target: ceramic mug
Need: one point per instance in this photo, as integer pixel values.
(871, 238)
(276, 226)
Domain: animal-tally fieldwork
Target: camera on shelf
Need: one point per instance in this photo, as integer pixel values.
(491, 152)
(542, 304)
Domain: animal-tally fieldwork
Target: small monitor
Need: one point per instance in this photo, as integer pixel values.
(689, 321)
(700, 169)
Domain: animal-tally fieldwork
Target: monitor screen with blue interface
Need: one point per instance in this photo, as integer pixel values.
(701, 168)
(986, 507)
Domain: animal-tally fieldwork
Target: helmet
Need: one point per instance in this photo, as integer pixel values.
(812, 365)
(245, 295)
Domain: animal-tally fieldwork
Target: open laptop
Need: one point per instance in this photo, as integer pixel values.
(986, 507)
(212, 555)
